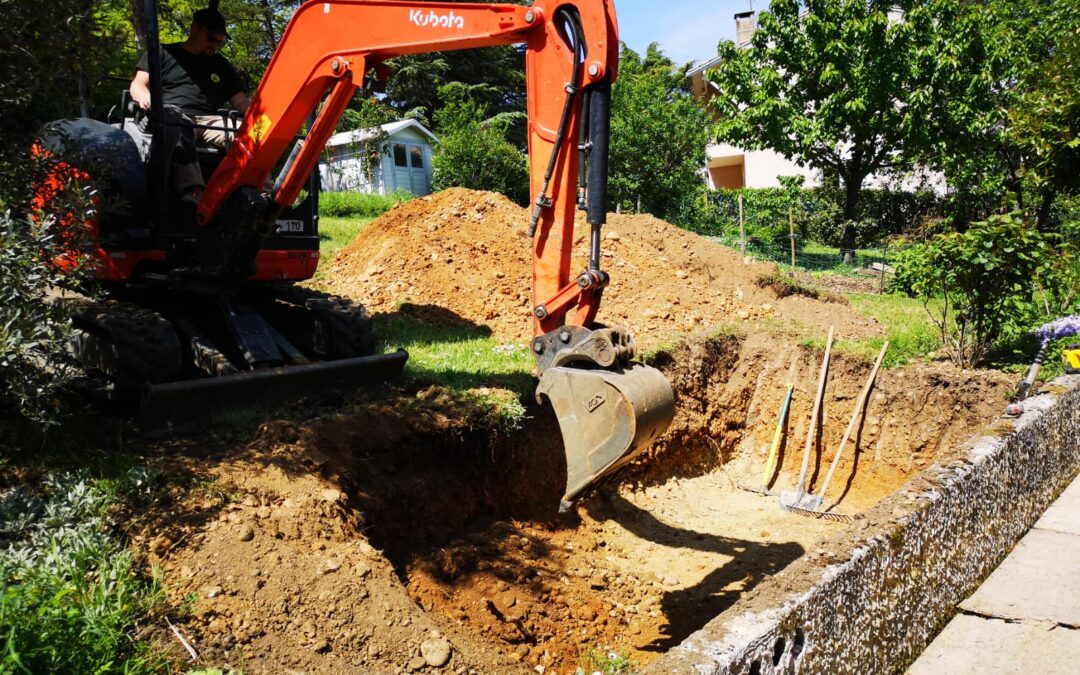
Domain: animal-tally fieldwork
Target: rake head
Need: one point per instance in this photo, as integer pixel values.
(820, 515)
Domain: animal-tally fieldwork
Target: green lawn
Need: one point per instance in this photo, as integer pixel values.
(337, 232)
(912, 335)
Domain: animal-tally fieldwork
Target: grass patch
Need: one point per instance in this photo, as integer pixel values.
(357, 204)
(71, 591)
(912, 335)
(465, 359)
(335, 233)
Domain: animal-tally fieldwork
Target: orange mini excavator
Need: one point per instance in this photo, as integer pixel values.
(205, 316)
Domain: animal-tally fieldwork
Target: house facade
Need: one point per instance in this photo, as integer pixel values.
(729, 166)
(732, 167)
(403, 160)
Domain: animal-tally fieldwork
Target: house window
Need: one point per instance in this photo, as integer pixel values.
(417, 156)
(727, 172)
(400, 158)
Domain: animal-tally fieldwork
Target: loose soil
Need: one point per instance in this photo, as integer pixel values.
(406, 532)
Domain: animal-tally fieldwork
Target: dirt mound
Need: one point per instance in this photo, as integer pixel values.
(468, 252)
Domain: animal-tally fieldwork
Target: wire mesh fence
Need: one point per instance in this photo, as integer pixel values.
(871, 267)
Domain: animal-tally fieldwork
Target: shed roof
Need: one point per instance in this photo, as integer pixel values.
(355, 136)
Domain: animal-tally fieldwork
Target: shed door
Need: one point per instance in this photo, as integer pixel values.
(410, 171)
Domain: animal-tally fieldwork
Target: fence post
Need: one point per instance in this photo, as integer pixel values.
(742, 229)
(884, 264)
(791, 230)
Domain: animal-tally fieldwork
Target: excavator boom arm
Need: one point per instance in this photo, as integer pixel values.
(329, 46)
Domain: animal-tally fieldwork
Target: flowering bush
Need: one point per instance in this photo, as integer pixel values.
(1066, 326)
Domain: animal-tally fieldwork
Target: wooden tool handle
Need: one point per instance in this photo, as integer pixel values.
(817, 408)
(855, 415)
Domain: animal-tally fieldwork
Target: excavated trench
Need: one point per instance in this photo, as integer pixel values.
(406, 534)
(466, 517)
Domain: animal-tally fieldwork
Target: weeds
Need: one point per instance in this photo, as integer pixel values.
(597, 661)
(71, 593)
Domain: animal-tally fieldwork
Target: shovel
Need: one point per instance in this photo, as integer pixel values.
(800, 498)
(778, 435)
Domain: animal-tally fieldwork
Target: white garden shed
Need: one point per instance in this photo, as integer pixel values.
(403, 160)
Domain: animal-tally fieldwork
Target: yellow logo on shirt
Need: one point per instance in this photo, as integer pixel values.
(215, 78)
(259, 128)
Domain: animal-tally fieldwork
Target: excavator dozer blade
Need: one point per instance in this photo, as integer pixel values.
(607, 417)
(188, 403)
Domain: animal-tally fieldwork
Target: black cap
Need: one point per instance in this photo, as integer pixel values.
(211, 19)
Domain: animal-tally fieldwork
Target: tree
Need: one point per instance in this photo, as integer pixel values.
(495, 76)
(473, 152)
(658, 134)
(848, 87)
(1021, 143)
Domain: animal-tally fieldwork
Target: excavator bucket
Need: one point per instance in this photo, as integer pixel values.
(607, 417)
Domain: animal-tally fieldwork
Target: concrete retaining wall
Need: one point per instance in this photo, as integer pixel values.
(901, 572)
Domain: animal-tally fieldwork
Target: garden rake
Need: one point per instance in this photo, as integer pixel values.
(801, 499)
(812, 505)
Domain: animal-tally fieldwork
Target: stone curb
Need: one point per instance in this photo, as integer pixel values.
(927, 548)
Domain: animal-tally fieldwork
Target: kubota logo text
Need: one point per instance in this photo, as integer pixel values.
(436, 19)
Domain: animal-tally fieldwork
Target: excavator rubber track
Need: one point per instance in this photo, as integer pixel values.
(168, 368)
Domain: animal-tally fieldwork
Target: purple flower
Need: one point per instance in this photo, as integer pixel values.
(1066, 326)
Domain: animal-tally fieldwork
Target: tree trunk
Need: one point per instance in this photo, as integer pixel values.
(268, 26)
(138, 22)
(1042, 218)
(852, 190)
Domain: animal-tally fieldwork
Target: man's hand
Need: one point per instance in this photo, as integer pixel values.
(140, 89)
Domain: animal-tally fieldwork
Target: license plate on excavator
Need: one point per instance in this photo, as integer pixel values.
(607, 418)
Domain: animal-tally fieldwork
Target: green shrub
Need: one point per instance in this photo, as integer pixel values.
(33, 329)
(478, 158)
(473, 152)
(358, 204)
(985, 278)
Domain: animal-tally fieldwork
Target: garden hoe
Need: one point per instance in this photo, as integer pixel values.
(801, 499)
(813, 504)
(778, 435)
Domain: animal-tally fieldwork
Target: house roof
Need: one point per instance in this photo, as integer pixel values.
(392, 128)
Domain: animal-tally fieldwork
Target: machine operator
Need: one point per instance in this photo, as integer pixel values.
(197, 81)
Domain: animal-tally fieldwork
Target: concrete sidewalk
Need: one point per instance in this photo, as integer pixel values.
(1025, 618)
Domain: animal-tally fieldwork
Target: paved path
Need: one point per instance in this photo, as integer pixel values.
(1025, 618)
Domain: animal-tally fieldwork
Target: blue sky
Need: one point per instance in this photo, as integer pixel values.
(687, 30)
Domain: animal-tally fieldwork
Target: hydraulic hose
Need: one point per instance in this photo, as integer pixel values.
(573, 23)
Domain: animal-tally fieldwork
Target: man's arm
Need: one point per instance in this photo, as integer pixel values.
(140, 89)
(239, 101)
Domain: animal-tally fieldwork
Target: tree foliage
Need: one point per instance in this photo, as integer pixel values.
(658, 134)
(1003, 137)
(472, 152)
(848, 87)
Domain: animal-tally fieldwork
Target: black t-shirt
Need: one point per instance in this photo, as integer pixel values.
(196, 84)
